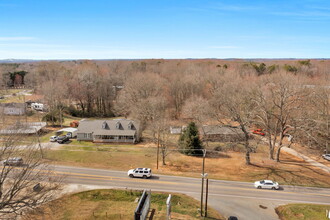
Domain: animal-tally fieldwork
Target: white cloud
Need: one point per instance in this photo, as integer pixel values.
(16, 38)
(224, 47)
(31, 45)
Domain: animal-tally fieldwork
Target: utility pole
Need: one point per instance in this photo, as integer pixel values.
(203, 175)
(158, 137)
(206, 197)
(327, 115)
(25, 108)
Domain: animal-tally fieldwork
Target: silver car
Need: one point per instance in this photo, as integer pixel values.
(326, 156)
(53, 138)
(266, 184)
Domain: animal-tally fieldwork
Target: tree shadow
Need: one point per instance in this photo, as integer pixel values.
(290, 176)
(214, 154)
(305, 165)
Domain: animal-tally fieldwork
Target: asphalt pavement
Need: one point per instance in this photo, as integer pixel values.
(239, 199)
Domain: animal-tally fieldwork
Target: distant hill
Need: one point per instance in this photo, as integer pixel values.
(18, 61)
(214, 59)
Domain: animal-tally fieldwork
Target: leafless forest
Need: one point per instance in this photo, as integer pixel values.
(283, 97)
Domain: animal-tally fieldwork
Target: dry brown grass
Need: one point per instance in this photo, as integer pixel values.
(228, 166)
(116, 204)
(302, 211)
(315, 154)
(290, 170)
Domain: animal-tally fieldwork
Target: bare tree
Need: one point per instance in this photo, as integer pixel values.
(163, 138)
(277, 108)
(232, 105)
(27, 186)
(199, 109)
(141, 98)
(314, 127)
(264, 118)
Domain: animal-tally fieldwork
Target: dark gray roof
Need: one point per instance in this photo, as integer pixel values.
(13, 105)
(109, 127)
(24, 128)
(221, 129)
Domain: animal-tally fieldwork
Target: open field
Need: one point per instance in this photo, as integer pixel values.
(302, 211)
(227, 165)
(117, 204)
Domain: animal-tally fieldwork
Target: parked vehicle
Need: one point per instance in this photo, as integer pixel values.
(37, 106)
(140, 172)
(72, 134)
(62, 139)
(266, 184)
(326, 156)
(258, 132)
(14, 161)
(53, 138)
(2, 97)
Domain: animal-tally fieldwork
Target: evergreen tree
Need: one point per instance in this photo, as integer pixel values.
(189, 142)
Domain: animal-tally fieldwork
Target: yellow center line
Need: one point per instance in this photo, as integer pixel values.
(92, 176)
(102, 177)
(191, 184)
(271, 191)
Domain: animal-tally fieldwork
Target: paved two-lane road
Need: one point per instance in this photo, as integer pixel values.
(228, 197)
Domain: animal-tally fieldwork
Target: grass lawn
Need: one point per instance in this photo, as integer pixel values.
(229, 164)
(117, 204)
(302, 212)
(226, 166)
(118, 158)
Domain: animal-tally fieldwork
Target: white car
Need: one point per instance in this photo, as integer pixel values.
(266, 184)
(326, 156)
(140, 172)
(53, 138)
(14, 161)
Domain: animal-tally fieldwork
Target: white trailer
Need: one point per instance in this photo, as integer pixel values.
(70, 132)
(37, 106)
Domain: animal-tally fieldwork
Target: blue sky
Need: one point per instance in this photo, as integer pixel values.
(132, 29)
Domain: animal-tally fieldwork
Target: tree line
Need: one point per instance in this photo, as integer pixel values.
(283, 97)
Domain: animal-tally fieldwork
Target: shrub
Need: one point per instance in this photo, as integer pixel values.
(189, 142)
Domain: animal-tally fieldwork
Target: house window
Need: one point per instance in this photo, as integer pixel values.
(104, 125)
(87, 135)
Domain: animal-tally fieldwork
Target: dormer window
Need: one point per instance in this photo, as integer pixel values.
(118, 125)
(130, 126)
(105, 125)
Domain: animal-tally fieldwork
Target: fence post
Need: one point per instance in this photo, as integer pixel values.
(168, 205)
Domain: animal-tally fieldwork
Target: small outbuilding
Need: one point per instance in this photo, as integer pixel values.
(12, 108)
(24, 128)
(70, 132)
(222, 133)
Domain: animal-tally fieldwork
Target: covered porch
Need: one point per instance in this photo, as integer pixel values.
(114, 138)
